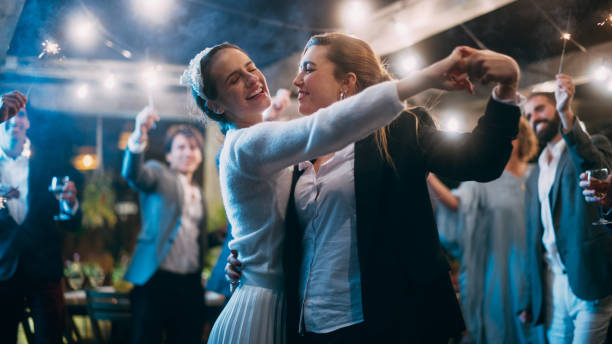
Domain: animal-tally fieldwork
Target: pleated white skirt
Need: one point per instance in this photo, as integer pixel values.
(253, 315)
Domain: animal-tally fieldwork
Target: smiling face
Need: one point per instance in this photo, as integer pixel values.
(15, 130)
(543, 118)
(185, 155)
(242, 91)
(316, 82)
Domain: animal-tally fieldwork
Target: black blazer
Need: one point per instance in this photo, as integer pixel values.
(36, 244)
(585, 250)
(404, 276)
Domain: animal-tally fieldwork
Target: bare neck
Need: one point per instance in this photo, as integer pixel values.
(516, 166)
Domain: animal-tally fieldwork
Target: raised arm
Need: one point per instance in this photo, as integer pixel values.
(444, 194)
(140, 176)
(266, 148)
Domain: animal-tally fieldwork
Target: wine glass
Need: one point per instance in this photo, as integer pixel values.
(597, 182)
(56, 188)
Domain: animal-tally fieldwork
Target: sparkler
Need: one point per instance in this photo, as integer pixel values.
(50, 48)
(606, 20)
(151, 79)
(565, 37)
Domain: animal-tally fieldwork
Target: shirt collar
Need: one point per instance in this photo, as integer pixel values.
(341, 154)
(555, 150)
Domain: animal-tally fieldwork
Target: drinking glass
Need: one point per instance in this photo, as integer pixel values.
(56, 188)
(597, 182)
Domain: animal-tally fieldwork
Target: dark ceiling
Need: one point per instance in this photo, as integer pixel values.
(272, 30)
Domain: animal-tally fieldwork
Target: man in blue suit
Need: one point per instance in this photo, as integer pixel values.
(166, 265)
(30, 238)
(569, 260)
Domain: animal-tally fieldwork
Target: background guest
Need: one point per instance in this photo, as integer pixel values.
(30, 238)
(569, 261)
(483, 225)
(167, 262)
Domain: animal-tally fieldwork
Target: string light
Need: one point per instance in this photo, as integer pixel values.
(110, 82)
(82, 31)
(82, 91)
(354, 13)
(155, 11)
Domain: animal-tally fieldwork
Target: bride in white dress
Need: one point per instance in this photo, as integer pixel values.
(256, 159)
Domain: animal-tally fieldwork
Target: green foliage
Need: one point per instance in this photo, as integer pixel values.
(98, 202)
(216, 216)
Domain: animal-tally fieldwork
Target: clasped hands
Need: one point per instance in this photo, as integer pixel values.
(466, 64)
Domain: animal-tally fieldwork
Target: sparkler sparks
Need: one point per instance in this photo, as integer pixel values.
(49, 48)
(607, 20)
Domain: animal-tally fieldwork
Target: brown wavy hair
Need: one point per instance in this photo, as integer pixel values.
(350, 54)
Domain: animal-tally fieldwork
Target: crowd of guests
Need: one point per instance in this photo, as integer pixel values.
(333, 235)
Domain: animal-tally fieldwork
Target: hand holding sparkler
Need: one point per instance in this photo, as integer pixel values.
(10, 105)
(564, 94)
(49, 49)
(145, 121)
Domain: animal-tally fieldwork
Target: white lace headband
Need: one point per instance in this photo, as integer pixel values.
(192, 76)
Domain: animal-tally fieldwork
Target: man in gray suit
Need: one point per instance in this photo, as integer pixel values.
(569, 260)
(166, 265)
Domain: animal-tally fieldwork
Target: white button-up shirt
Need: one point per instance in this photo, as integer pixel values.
(14, 173)
(330, 280)
(184, 253)
(546, 179)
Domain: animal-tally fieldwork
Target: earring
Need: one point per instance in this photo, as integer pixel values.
(342, 95)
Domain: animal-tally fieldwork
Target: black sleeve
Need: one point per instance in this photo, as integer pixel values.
(480, 155)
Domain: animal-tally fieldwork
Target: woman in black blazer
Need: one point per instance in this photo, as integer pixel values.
(406, 294)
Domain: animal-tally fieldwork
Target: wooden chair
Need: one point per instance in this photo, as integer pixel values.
(114, 307)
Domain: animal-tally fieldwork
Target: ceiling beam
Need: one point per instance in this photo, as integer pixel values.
(9, 15)
(419, 19)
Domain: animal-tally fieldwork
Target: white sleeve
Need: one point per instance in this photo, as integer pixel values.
(268, 147)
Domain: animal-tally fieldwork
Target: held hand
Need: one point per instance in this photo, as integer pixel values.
(232, 269)
(69, 193)
(10, 105)
(564, 94)
(450, 73)
(525, 317)
(145, 121)
(489, 66)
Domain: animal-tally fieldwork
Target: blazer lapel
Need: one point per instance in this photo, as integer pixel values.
(554, 192)
(367, 171)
